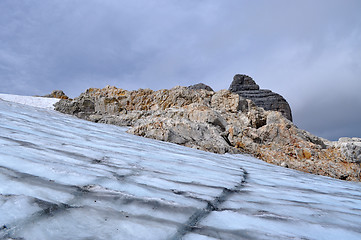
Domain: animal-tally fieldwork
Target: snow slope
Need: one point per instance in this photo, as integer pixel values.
(65, 178)
(39, 102)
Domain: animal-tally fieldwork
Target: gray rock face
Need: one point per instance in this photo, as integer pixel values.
(351, 147)
(83, 105)
(200, 86)
(246, 87)
(242, 82)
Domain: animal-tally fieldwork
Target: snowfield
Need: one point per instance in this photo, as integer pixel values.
(66, 178)
(40, 102)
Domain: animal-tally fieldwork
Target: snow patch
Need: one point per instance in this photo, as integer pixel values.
(40, 102)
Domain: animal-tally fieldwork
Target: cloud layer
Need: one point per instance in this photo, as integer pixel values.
(308, 51)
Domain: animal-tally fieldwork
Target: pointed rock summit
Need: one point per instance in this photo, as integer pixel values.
(246, 87)
(242, 82)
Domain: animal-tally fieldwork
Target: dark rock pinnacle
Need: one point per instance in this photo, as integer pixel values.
(246, 87)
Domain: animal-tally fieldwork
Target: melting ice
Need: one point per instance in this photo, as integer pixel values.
(65, 178)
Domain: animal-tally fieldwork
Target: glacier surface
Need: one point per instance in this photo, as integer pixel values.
(65, 178)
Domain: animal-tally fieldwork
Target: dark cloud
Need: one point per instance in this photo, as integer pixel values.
(308, 51)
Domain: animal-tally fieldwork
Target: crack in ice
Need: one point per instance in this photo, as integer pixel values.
(213, 205)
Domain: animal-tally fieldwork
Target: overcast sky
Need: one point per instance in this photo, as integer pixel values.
(308, 51)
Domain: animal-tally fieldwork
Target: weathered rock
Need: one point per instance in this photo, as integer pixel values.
(246, 87)
(351, 148)
(57, 94)
(146, 99)
(242, 83)
(199, 86)
(225, 101)
(220, 122)
(174, 125)
(82, 105)
(203, 114)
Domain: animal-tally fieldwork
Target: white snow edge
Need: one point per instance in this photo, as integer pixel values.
(40, 102)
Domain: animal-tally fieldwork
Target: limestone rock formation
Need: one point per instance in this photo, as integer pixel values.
(351, 148)
(57, 94)
(220, 122)
(242, 83)
(246, 87)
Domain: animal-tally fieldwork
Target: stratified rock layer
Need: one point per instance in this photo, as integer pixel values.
(246, 87)
(220, 122)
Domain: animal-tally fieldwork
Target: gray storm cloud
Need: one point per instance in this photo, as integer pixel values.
(308, 51)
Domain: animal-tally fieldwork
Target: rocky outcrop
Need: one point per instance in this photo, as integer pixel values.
(351, 148)
(220, 122)
(246, 87)
(200, 86)
(57, 94)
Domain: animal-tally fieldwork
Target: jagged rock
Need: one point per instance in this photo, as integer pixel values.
(82, 105)
(116, 100)
(57, 94)
(246, 87)
(351, 148)
(180, 126)
(199, 86)
(225, 101)
(242, 83)
(202, 114)
(220, 122)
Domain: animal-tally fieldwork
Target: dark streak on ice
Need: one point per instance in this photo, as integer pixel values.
(200, 214)
(21, 143)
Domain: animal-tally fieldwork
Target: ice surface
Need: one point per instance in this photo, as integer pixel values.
(39, 102)
(278, 203)
(65, 178)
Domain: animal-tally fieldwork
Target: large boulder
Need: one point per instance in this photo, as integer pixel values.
(199, 86)
(246, 87)
(193, 126)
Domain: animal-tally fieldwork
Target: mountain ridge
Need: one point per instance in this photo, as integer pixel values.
(219, 122)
